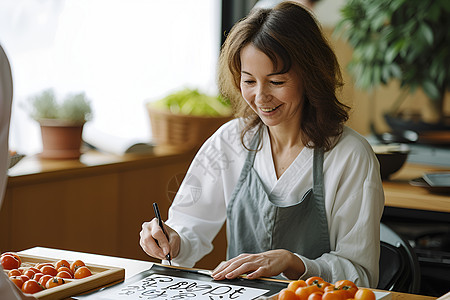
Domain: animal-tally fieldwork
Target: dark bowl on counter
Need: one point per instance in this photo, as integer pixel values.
(391, 158)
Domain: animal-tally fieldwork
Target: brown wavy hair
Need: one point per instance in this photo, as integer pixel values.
(291, 37)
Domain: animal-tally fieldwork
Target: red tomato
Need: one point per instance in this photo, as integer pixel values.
(24, 277)
(49, 270)
(62, 263)
(31, 286)
(304, 292)
(294, 285)
(314, 280)
(17, 281)
(14, 272)
(315, 296)
(286, 294)
(82, 272)
(15, 255)
(364, 294)
(44, 279)
(9, 262)
(64, 274)
(75, 265)
(55, 281)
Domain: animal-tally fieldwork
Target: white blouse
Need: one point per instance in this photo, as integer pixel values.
(354, 200)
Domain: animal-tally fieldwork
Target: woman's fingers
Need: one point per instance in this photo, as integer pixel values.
(153, 240)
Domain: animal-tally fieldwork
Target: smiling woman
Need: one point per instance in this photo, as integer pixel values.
(120, 53)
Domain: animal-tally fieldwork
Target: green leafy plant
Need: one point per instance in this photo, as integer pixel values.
(193, 102)
(74, 107)
(404, 40)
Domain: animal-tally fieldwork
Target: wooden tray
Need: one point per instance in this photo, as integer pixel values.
(101, 276)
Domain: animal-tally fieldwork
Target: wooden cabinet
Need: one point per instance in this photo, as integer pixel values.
(94, 205)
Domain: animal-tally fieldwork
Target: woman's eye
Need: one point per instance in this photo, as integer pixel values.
(277, 82)
(249, 81)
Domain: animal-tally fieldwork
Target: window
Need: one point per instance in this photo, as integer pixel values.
(121, 53)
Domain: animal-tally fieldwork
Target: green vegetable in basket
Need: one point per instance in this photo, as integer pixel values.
(193, 102)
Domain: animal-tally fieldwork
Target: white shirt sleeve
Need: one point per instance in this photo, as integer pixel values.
(354, 204)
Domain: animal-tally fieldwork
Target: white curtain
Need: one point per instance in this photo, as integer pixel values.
(121, 53)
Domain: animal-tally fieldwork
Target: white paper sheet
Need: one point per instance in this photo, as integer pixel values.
(166, 287)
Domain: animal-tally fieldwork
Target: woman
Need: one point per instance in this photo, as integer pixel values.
(301, 193)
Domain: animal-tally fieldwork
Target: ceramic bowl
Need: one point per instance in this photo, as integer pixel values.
(392, 157)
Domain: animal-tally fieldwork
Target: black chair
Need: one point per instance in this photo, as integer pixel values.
(399, 266)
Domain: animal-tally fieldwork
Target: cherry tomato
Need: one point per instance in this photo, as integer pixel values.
(38, 276)
(44, 279)
(49, 270)
(294, 285)
(287, 294)
(66, 269)
(40, 265)
(75, 265)
(17, 281)
(82, 272)
(55, 281)
(14, 272)
(31, 286)
(304, 292)
(62, 263)
(9, 262)
(15, 255)
(335, 295)
(314, 280)
(315, 296)
(348, 286)
(64, 274)
(28, 272)
(364, 294)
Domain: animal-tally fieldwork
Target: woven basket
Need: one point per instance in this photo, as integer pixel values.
(182, 131)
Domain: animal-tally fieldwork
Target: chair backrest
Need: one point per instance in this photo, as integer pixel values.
(399, 266)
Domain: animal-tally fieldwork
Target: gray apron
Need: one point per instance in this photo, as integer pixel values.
(255, 224)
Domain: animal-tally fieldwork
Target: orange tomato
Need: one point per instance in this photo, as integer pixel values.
(82, 272)
(304, 292)
(62, 263)
(335, 295)
(55, 281)
(44, 279)
(64, 274)
(49, 270)
(14, 272)
(75, 265)
(348, 286)
(315, 296)
(364, 294)
(17, 281)
(31, 286)
(329, 288)
(294, 285)
(323, 285)
(287, 294)
(38, 276)
(40, 265)
(14, 255)
(66, 269)
(9, 262)
(28, 272)
(314, 280)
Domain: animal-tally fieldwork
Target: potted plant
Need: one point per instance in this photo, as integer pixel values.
(406, 41)
(186, 118)
(61, 123)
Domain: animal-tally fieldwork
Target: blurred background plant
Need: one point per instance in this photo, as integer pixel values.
(404, 40)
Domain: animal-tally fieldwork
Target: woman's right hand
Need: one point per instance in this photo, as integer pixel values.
(154, 242)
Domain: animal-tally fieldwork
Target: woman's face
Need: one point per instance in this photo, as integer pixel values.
(276, 98)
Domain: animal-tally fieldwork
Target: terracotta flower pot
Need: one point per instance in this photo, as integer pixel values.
(61, 139)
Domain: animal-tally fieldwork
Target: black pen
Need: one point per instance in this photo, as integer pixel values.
(160, 223)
